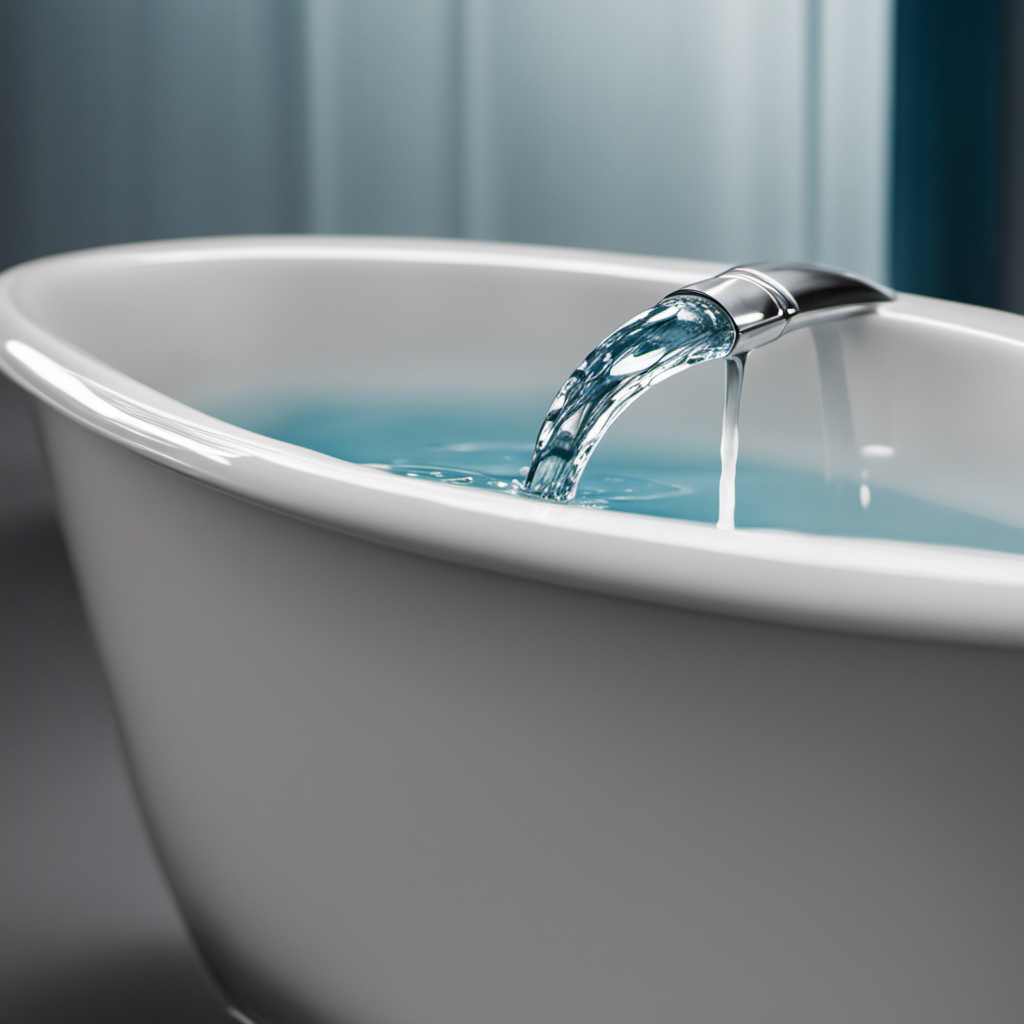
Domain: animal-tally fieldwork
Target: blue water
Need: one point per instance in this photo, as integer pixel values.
(484, 445)
(674, 334)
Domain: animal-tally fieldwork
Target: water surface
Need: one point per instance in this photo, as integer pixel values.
(486, 445)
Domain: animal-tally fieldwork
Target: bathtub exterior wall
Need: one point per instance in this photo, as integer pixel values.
(386, 787)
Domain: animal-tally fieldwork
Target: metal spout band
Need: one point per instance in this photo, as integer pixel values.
(765, 300)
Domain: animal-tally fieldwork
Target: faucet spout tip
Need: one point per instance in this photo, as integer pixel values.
(765, 300)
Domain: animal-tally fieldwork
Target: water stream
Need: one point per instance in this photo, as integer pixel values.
(674, 334)
(730, 448)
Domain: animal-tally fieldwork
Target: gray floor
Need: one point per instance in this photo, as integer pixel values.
(88, 932)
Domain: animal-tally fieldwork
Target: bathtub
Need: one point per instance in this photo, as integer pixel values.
(413, 753)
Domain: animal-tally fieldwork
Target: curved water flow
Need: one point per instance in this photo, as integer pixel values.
(675, 333)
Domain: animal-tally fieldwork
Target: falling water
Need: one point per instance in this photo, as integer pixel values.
(674, 334)
(734, 368)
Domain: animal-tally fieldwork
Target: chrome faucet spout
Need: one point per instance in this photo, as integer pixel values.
(764, 300)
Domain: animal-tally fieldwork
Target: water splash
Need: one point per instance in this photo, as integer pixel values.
(674, 334)
(603, 490)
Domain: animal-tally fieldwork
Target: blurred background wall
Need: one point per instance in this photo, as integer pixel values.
(885, 136)
(719, 129)
(882, 135)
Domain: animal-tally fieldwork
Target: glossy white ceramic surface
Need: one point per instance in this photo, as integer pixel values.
(936, 382)
(650, 806)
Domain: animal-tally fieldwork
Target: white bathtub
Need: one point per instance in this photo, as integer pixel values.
(415, 754)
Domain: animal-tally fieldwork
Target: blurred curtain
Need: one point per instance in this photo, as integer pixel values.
(131, 119)
(729, 130)
(957, 68)
(1011, 255)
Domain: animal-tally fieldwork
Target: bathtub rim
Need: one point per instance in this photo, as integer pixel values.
(879, 587)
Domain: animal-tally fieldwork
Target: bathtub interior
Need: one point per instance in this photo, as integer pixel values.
(934, 385)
